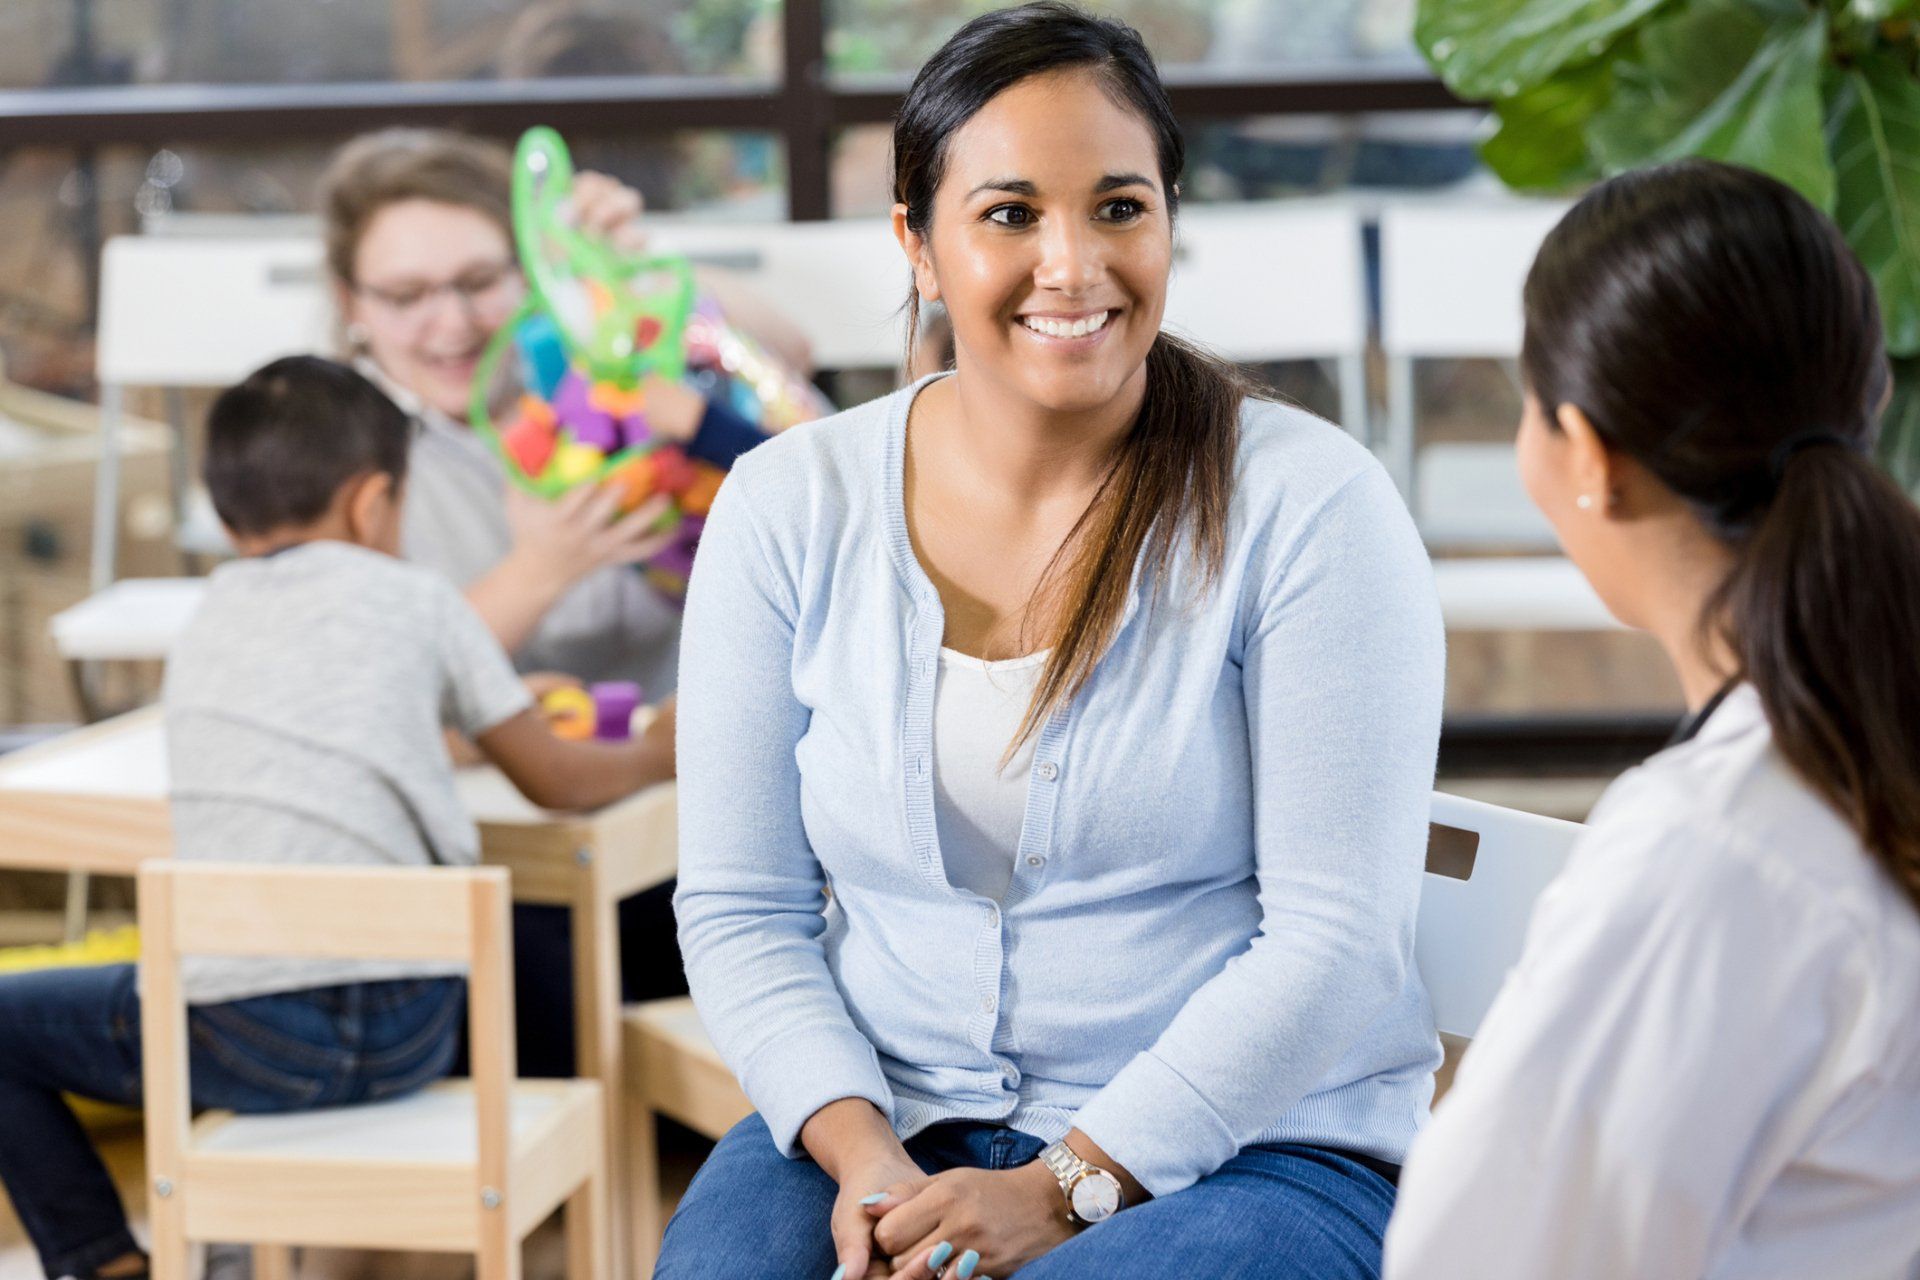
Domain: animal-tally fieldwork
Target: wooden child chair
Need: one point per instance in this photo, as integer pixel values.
(464, 1166)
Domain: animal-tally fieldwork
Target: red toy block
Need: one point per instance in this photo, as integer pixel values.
(529, 444)
(673, 473)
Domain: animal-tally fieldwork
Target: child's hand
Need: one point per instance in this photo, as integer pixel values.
(582, 531)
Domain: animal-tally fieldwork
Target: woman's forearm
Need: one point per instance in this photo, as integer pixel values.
(1090, 1151)
(512, 598)
(847, 1133)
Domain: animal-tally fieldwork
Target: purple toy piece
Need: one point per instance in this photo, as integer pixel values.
(614, 703)
(578, 417)
(677, 558)
(636, 432)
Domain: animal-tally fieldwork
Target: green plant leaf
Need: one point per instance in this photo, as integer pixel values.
(1486, 49)
(1728, 81)
(1541, 142)
(1881, 10)
(1873, 128)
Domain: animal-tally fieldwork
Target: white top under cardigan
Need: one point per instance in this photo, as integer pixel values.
(977, 805)
(1707, 1062)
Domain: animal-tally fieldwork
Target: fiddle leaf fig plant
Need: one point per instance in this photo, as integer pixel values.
(1822, 94)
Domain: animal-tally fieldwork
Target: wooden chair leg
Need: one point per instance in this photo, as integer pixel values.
(272, 1262)
(498, 1259)
(169, 1253)
(589, 1231)
(169, 1259)
(645, 1225)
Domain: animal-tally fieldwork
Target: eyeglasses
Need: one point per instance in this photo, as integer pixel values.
(478, 289)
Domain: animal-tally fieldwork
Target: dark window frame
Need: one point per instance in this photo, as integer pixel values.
(805, 108)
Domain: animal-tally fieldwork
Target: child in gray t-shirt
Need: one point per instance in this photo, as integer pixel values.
(305, 709)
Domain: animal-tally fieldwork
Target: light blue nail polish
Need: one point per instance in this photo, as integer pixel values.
(968, 1261)
(875, 1198)
(839, 1272)
(941, 1252)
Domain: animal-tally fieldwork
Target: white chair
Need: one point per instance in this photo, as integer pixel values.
(1277, 280)
(1518, 593)
(1485, 867)
(844, 281)
(1451, 273)
(133, 620)
(195, 311)
(460, 1167)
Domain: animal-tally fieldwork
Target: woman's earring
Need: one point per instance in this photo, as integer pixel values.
(1584, 502)
(357, 336)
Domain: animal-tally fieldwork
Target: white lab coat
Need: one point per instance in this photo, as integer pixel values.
(1707, 1061)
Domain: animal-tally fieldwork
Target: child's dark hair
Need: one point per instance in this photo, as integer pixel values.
(282, 443)
(1716, 328)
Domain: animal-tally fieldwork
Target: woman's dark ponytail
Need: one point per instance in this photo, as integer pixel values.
(1715, 327)
(1823, 611)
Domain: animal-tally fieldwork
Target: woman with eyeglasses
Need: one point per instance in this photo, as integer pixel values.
(419, 246)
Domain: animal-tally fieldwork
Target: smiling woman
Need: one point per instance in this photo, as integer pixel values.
(1103, 694)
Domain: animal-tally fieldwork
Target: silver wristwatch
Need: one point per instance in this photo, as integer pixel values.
(1093, 1194)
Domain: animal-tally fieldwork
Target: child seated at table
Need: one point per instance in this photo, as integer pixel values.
(304, 713)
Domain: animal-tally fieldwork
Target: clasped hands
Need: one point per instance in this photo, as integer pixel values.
(892, 1220)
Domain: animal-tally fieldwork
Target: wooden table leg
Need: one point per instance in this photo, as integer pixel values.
(596, 996)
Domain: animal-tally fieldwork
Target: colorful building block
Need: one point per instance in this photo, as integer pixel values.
(614, 702)
(571, 713)
(578, 416)
(673, 471)
(529, 444)
(635, 478)
(697, 498)
(574, 462)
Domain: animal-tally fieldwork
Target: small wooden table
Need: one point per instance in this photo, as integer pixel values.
(95, 800)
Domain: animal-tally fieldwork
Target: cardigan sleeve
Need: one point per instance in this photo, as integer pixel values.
(751, 894)
(1342, 676)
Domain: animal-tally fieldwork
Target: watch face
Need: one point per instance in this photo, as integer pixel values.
(1096, 1197)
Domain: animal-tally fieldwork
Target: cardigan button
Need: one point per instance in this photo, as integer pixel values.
(1049, 771)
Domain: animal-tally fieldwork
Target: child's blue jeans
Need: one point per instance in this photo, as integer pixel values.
(1279, 1212)
(78, 1031)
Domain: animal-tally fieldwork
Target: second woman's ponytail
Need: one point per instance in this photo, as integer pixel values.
(1822, 610)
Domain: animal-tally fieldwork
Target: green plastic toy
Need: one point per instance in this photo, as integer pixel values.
(594, 326)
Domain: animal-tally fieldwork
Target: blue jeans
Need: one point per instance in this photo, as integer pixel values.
(78, 1031)
(1278, 1212)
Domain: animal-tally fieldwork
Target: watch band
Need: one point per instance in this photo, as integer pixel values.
(1064, 1164)
(1069, 1170)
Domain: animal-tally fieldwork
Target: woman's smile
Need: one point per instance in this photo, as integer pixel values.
(1067, 332)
